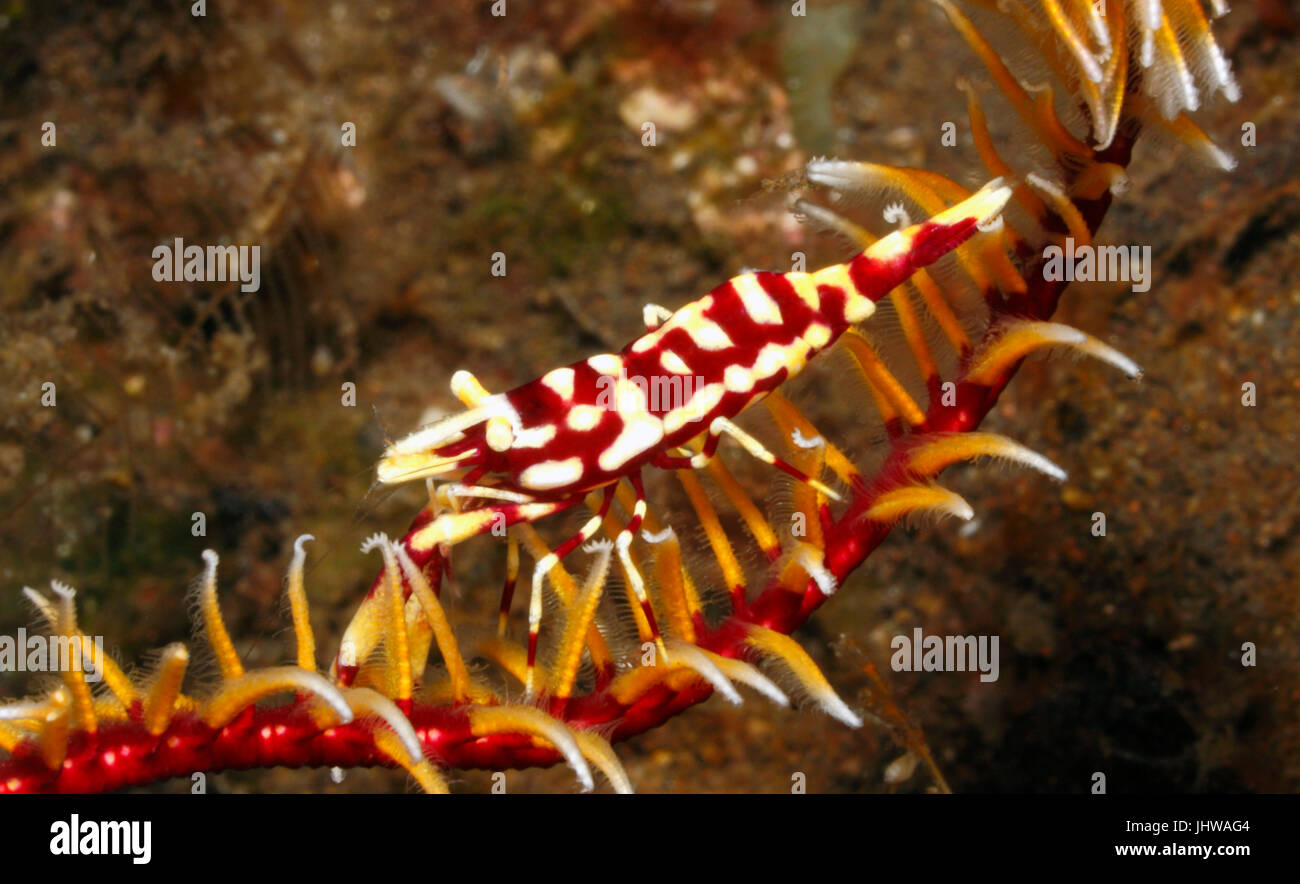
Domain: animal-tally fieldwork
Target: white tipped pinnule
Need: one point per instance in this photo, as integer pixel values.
(1109, 355)
(1189, 98)
(813, 560)
(240, 692)
(160, 701)
(662, 537)
(1064, 29)
(896, 213)
(983, 205)
(823, 217)
(1097, 25)
(960, 509)
(296, 590)
(840, 174)
(214, 627)
(486, 720)
(298, 609)
(1220, 157)
(1203, 51)
(42, 605)
(807, 442)
(436, 619)
(740, 671)
(368, 703)
(1024, 337)
(1147, 54)
(396, 638)
(1151, 13)
(900, 502)
(1032, 459)
(1025, 456)
(832, 705)
(603, 552)
(34, 710)
(1223, 74)
(795, 660)
(693, 658)
(1089, 346)
(935, 453)
(597, 750)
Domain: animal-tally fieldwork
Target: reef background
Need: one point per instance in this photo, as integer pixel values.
(522, 135)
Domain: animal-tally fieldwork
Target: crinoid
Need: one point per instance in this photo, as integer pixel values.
(648, 631)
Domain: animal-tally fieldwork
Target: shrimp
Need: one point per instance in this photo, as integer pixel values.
(664, 401)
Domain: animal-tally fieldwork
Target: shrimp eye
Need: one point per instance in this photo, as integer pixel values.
(499, 434)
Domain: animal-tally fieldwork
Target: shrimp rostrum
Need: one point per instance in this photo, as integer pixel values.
(664, 401)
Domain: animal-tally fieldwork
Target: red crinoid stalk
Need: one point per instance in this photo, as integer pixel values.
(1128, 64)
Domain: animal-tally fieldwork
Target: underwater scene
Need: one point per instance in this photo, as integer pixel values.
(669, 396)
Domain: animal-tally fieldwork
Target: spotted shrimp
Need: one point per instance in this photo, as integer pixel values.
(542, 447)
